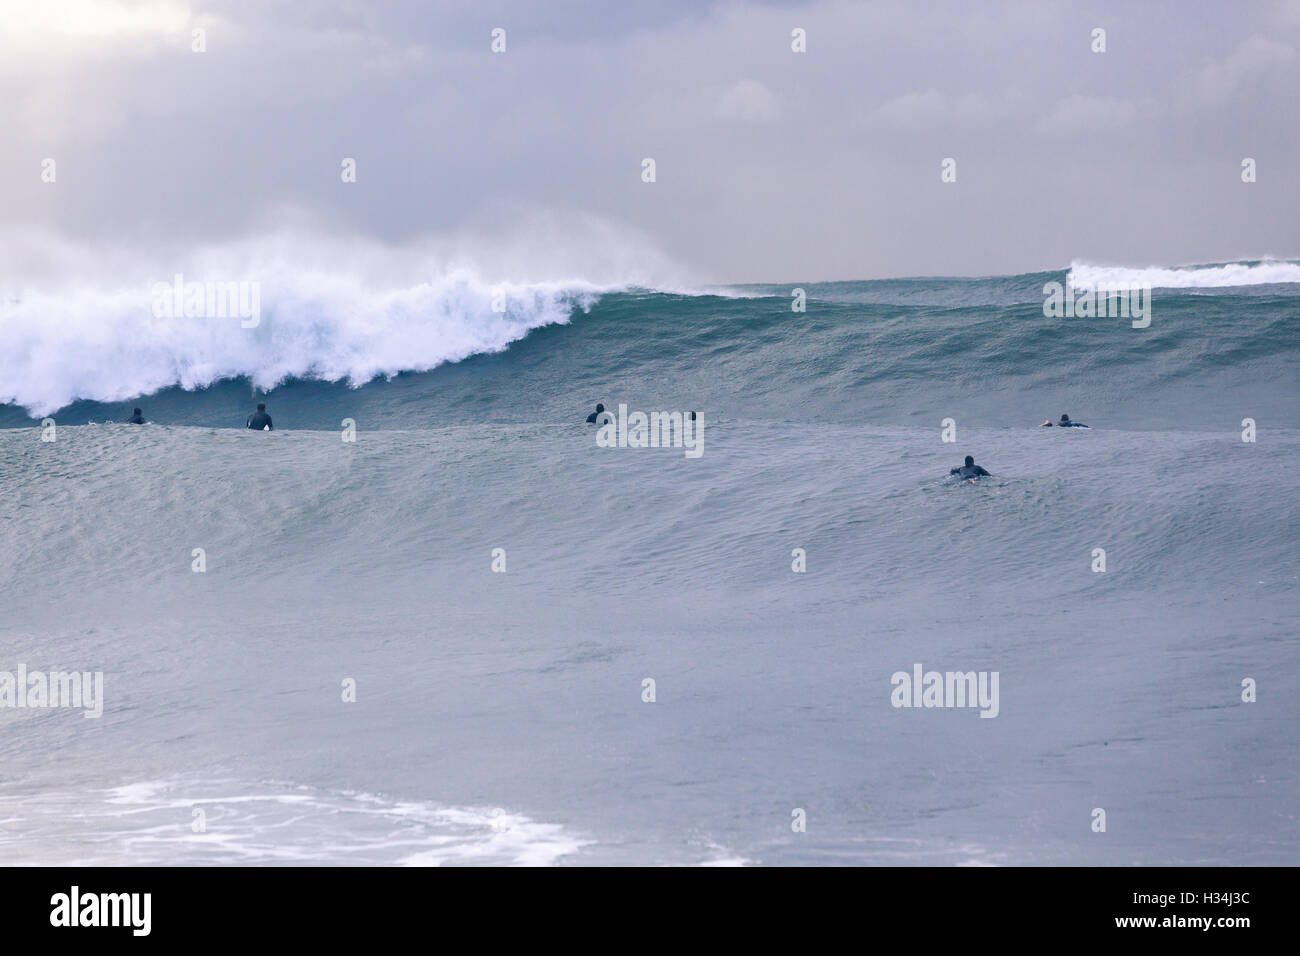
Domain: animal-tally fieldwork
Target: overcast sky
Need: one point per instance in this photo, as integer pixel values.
(771, 165)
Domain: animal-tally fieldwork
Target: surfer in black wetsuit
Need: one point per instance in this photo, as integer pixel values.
(970, 470)
(137, 418)
(1063, 423)
(259, 420)
(594, 417)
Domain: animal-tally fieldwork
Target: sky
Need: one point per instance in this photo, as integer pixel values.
(771, 165)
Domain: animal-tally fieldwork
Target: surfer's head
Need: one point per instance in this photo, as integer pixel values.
(261, 406)
(969, 461)
(599, 407)
(1065, 418)
(136, 411)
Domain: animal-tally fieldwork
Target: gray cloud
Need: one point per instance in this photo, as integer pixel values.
(772, 165)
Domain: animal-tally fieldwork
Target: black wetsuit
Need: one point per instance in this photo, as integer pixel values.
(594, 417)
(136, 420)
(259, 421)
(970, 471)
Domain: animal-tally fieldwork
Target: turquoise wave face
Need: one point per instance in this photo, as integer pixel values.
(373, 560)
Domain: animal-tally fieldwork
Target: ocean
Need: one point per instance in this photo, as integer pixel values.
(474, 635)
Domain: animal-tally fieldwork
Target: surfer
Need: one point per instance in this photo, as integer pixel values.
(137, 418)
(259, 420)
(1064, 423)
(594, 417)
(970, 470)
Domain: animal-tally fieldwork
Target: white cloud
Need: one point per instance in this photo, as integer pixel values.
(1253, 57)
(1086, 114)
(1288, 11)
(29, 22)
(749, 102)
(930, 109)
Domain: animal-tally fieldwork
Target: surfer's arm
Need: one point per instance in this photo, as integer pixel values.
(979, 470)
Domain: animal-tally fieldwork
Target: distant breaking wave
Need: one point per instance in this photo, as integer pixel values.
(1084, 275)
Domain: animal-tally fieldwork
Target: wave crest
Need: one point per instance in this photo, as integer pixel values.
(1085, 276)
(83, 322)
(108, 345)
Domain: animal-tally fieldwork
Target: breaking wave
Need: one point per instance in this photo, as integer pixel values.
(1213, 276)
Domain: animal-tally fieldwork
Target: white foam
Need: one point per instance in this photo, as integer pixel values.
(78, 322)
(151, 823)
(1084, 275)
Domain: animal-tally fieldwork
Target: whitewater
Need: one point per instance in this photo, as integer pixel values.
(501, 716)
